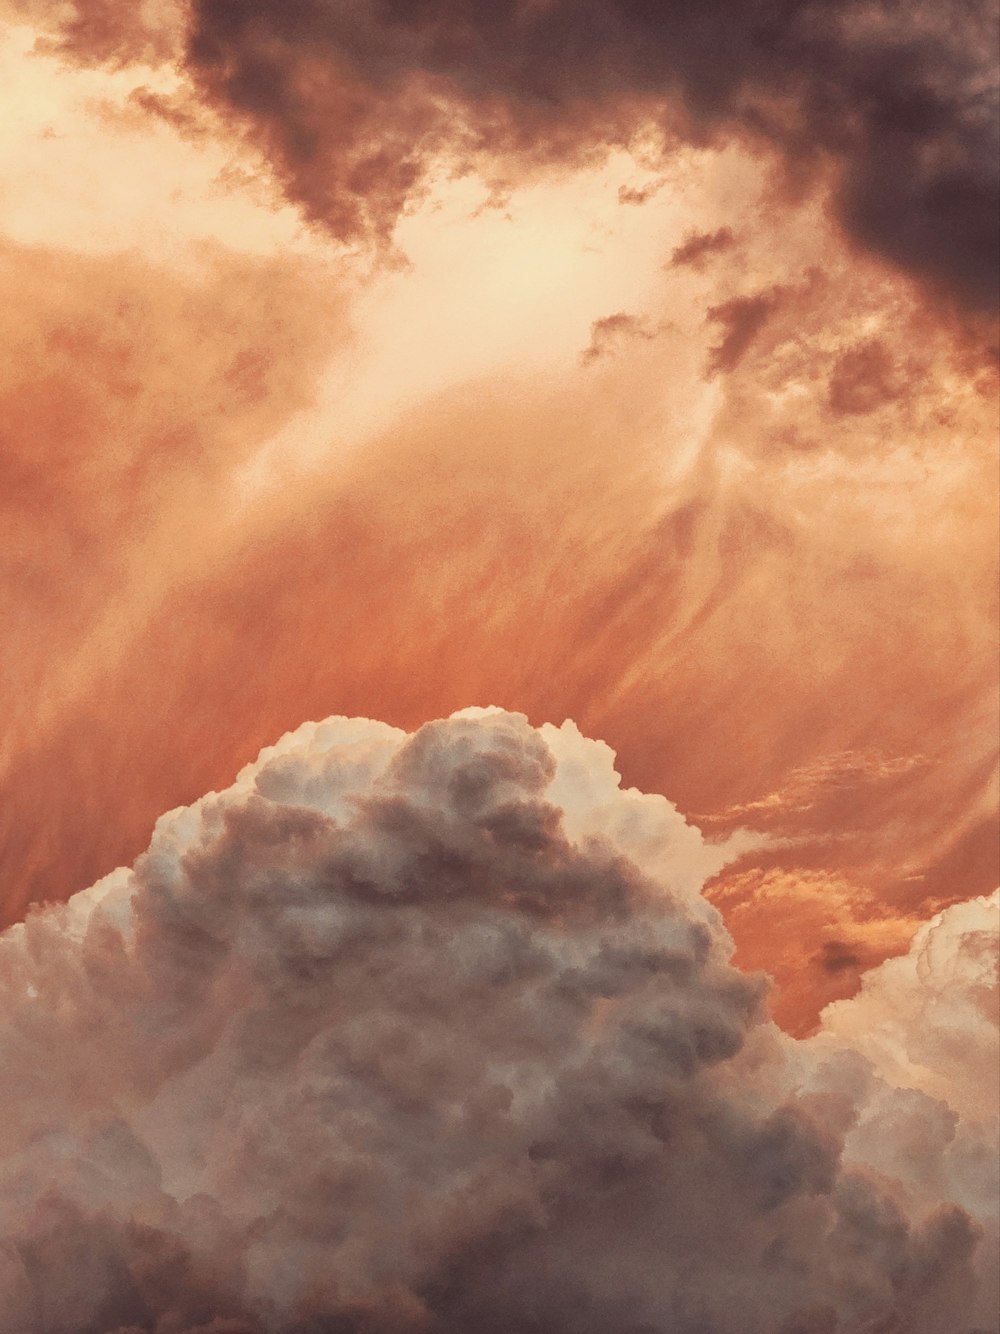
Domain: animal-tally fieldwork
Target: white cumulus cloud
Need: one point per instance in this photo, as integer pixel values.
(435, 1033)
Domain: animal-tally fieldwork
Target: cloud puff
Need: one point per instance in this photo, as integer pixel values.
(610, 331)
(699, 247)
(435, 1032)
(927, 1022)
(928, 1019)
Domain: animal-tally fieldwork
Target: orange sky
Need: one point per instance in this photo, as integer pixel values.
(653, 438)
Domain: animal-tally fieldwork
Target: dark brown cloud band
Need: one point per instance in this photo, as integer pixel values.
(352, 100)
(354, 103)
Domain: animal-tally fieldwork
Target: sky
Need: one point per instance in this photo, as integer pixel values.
(626, 369)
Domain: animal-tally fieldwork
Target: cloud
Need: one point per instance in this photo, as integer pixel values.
(698, 247)
(927, 1022)
(99, 343)
(864, 379)
(435, 1032)
(105, 30)
(929, 1017)
(641, 194)
(132, 393)
(612, 330)
(356, 105)
(832, 928)
(741, 319)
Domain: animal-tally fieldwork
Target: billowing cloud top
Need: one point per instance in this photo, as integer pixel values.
(435, 1032)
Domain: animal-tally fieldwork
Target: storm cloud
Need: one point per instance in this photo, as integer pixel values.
(355, 104)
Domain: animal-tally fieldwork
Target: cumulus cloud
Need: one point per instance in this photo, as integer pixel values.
(929, 1018)
(436, 1032)
(927, 1023)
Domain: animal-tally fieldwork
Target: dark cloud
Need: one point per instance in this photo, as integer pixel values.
(836, 956)
(741, 319)
(352, 101)
(425, 1034)
(612, 330)
(700, 246)
(865, 378)
(640, 194)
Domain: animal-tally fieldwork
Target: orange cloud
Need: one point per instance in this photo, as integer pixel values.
(129, 395)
